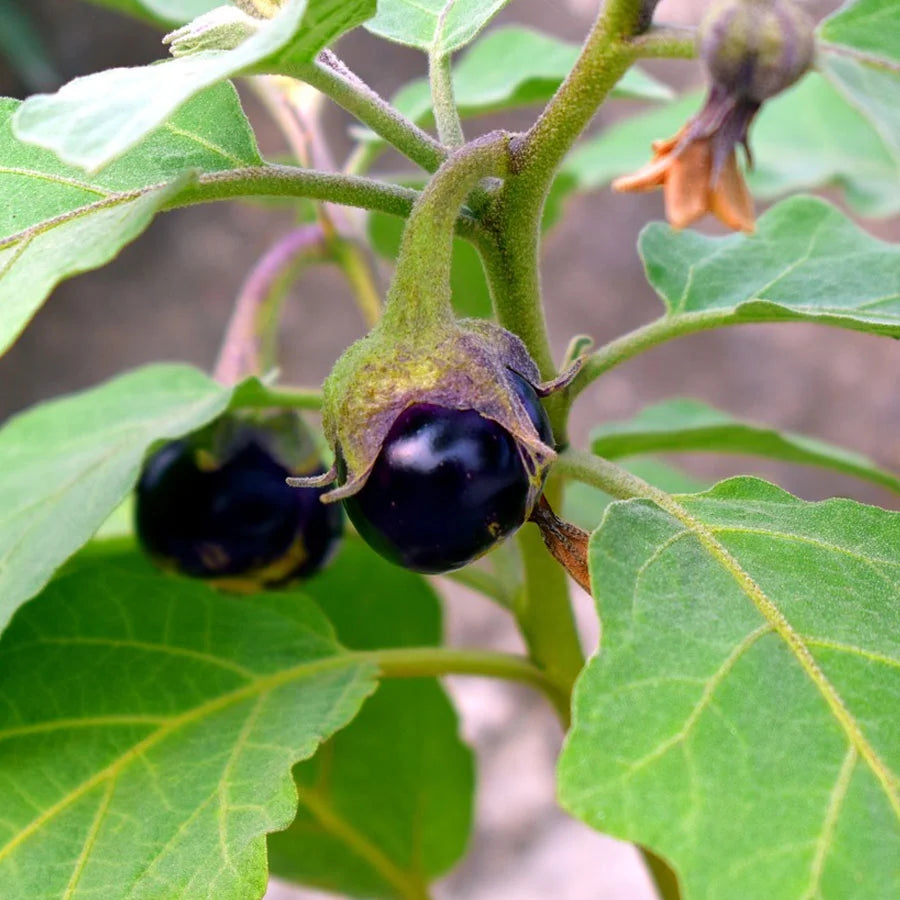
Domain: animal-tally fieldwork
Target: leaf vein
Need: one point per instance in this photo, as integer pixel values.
(835, 802)
(712, 683)
(90, 839)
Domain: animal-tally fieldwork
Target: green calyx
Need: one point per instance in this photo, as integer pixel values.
(467, 364)
(282, 433)
(419, 352)
(755, 49)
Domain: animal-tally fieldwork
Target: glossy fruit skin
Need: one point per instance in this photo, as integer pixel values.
(237, 522)
(536, 412)
(447, 486)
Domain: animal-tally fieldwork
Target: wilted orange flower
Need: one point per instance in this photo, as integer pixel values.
(697, 168)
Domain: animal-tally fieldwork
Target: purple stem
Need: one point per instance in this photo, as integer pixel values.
(241, 353)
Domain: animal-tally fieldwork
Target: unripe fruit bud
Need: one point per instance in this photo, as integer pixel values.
(754, 49)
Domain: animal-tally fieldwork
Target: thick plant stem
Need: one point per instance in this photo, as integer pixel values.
(250, 343)
(421, 662)
(329, 75)
(543, 609)
(515, 218)
(420, 291)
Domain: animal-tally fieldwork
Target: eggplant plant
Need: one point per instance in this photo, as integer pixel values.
(220, 594)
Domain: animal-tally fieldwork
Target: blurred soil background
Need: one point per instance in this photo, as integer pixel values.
(169, 296)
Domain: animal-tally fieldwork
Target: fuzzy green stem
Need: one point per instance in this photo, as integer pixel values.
(634, 342)
(516, 216)
(329, 75)
(446, 114)
(422, 662)
(419, 295)
(603, 474)
(543, 609)
(666, 42)
(291, 181)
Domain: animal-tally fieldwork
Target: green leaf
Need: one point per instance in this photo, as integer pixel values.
(512, 67)
(471, 296)
(55, 222)
(873, 91)
(684, 425)
(806, 262)
(808, 137)
(416, 22)
(584, 504)
(386, 805)
(148, 727)
(872, 26)
(65, 465)
(93, 120)
(860, 54)
(162, 12)
(740, 716)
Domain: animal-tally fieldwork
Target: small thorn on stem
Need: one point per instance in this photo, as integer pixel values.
(566, 542)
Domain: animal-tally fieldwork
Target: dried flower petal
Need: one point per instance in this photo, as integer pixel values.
(731, 201)
(697, 168)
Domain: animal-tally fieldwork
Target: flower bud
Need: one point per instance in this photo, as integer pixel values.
(754, 49)
(222, 28)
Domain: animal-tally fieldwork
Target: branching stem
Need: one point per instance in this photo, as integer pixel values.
(329, 75)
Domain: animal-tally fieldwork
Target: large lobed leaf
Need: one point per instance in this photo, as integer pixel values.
(147, 731)
(806, 262)
(418, 23)
(386, 805)
(67, 464)
(683, 425)
(861, 57)
(93, 120)
(811, 136)
(740, 716)
(56, 222)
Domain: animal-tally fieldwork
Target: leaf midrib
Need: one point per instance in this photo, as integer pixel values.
(792, 638)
